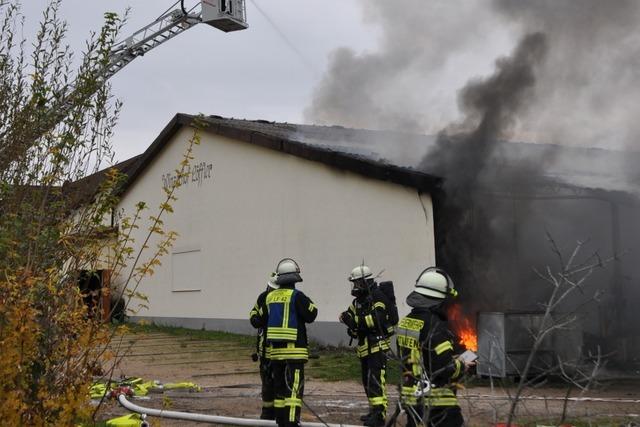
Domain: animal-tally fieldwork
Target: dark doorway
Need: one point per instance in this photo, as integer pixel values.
(94, 288)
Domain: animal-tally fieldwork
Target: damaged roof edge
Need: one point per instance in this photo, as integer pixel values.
(369, 168)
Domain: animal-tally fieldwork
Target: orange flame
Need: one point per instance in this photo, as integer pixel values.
(463, 327)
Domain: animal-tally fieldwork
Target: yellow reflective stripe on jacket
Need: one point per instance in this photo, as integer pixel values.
(369, 320)
(282, 333)
(285, 316)
(408, 334)
(264, 351)
(458, 370)
(442, 347)
(364, 350)
(312, 307)
(407, 342)
(290, 352)
(408, 395)
(411, 324)
(379, 304)
(408, 337)
(441, 397)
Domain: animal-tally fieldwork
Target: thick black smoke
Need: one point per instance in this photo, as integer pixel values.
(577, 86)
(472, 233)
(491, 108)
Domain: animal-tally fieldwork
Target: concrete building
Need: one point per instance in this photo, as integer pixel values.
(252, 198)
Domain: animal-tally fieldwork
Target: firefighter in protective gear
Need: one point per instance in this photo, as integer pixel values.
(288, 310)
(425, 346)
(257, 319)
(366, 320)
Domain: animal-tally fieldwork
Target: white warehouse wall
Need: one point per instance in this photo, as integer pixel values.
(260, 205)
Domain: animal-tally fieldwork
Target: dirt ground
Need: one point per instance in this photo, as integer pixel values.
(231, 387)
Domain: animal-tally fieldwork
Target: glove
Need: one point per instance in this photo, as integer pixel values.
(346, 318)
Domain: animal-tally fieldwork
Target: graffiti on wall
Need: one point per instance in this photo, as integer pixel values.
(195, 174)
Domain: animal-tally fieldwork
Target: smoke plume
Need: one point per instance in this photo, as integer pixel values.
(590, 84)
(491, 107)
(408, 83)
(573, 79)
(588, 87)
(464, 154)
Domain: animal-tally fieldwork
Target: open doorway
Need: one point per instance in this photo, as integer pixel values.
(94, 287)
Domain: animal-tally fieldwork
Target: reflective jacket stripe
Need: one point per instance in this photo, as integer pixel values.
(281, 331)
(441, 397)
(369, 320)
(364, 350)
(458, 370)
(442, 347)
(291, 353)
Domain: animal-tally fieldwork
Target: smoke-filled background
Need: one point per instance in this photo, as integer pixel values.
(586, 93)
(562, 75)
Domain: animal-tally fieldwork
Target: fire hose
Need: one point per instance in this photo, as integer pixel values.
(188, 416)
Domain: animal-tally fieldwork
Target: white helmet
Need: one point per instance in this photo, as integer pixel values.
(287, 265)
(360, 272)
(435, 283)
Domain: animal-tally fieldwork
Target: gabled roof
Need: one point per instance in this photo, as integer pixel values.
(384, 155)
(282, 137)
(82, 191)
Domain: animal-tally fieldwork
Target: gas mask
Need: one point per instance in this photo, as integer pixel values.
(360, 288)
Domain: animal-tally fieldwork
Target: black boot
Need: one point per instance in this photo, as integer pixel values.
(268, 414)
(375, 420)
(366, 416)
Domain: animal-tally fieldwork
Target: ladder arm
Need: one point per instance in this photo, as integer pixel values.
(165, 27)
(153, 35)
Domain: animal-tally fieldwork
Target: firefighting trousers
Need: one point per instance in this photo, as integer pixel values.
(268, 393)
(438, 408)
(374, 374)
(441, 417)
(288, 382)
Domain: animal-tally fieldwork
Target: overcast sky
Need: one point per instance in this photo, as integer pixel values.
(246, 74)
(404, 64)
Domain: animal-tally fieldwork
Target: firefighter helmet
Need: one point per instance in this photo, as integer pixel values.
(360, 272)
(434, 282)
(287, 265)
(287, 272)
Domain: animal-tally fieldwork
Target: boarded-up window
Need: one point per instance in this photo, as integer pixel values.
(186, 269)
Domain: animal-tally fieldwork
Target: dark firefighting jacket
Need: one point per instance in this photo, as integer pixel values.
(287, 312)
(367, 320)
(425, 345)
(257, 319)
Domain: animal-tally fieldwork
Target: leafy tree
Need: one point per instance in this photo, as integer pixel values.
(56, 122)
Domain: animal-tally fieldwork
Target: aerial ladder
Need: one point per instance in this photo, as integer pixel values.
(225, 15)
